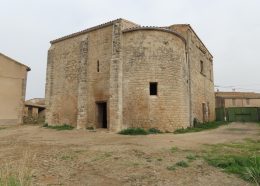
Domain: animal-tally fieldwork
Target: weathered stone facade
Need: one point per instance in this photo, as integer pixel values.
(13, 78)
(102, 76)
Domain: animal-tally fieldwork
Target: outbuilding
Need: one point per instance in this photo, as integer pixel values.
(13, 77)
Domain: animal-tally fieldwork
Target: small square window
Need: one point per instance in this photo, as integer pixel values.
(153, 88)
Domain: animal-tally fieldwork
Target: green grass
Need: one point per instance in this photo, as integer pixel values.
(139, 131)
(133, 131)
(242, 159)
(201, 127)
(90, 128)
(191, 157)
(59, 127)
(182, 164)
(2, 128)
(171, 168)
(174, 149)
(9, 181)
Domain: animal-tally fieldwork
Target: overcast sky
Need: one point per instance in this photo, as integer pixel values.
(229, 28)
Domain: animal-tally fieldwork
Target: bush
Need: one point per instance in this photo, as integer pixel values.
(133, 131)
(59, 127)
(154, 131)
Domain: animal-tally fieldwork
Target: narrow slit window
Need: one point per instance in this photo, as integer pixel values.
(201, 67)
(153, 88)
(97, 65)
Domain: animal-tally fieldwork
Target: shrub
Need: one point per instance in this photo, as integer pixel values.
(133, 131)
(154, 131)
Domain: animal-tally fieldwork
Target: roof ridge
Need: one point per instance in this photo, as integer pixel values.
(27, 68)
(87, 30)
(156, 28)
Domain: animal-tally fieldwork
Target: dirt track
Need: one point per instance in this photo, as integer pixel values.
(102, 158)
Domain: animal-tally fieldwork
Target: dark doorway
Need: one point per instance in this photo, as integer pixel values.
(204, 111)
(102, 115)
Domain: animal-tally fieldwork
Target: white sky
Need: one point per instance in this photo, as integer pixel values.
(229, 28)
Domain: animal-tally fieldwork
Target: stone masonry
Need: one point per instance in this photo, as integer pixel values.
(119, 75)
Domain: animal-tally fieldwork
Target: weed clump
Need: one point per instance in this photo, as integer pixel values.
(154, 131)
(133, 131)
(174, 149)
(59, 127)
(182, 164)
(171, 168)
(139, 131)
(191, 157)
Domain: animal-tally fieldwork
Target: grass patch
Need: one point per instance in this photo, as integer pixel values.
(90, 128)
(133, 131)
(2, 128)
(191, 157)
(178, 164)
(139, 131)
(201, 126)
(59, 127)
(17, 173)
(242, 159)
(66, 157)
(182, 164)
(174, 149)
(171, 168)
(102, 156)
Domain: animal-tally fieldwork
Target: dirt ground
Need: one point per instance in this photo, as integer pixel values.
(103, 158)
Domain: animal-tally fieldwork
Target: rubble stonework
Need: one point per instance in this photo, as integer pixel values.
(114, 64)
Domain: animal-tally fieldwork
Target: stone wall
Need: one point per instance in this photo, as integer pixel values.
(73, 83)
(201, 83)
(154, 56)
